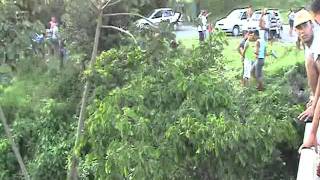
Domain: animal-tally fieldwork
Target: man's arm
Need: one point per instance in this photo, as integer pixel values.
(314, 83)
(316, 95)
(245, 49)
(257, 49)
(261, 22)
(312, 138)
(208, 14)
(241, 48)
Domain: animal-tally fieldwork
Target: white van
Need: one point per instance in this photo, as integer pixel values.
(233, 22)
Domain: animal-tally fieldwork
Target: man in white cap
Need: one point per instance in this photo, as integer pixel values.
(305, 28)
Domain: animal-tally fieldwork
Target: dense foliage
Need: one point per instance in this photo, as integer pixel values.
(177, 116)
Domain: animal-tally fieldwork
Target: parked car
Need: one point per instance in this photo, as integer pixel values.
(233, 22)
(275, 24)
(160, 15)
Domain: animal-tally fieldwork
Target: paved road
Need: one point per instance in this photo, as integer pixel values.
(186, 32)
(285, 37)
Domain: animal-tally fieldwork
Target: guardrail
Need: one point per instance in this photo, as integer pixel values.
(308, 159)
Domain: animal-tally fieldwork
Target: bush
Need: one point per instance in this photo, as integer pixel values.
(176, 116)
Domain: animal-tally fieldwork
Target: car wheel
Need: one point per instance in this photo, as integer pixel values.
(236, 31)
(146, 26)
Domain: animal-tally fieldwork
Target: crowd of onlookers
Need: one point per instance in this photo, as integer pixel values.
(50, 43)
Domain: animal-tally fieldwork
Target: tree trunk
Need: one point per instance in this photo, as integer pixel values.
(198, 5)
(13, 145)
(73, 175)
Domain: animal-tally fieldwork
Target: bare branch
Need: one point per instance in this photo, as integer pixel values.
(121, 30)
(73, 174)
(131, 14)
(114, 3)
(106, 4)
(13, 145)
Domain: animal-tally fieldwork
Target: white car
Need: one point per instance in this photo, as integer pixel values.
(160, 15)
(233, 22)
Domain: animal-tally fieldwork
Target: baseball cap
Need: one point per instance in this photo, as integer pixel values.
(301, 17)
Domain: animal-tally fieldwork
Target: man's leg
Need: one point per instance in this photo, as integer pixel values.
(259, 75)
(253, 69)
(246, 71)
(266, 35)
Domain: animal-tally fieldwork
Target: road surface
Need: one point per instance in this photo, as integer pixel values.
(190, 32)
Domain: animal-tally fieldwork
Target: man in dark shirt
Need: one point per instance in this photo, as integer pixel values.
(241, 50)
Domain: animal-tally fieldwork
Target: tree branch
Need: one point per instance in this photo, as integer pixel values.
(73, 174)
(121, 30)
(94, 4)
(13, 145)
(106, 4)
(114, 3)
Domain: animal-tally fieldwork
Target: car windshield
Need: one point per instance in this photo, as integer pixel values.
(256, 16)
(234, 15)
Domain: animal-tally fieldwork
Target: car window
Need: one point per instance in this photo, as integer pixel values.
(256, 16)
(167, 13)
(244, 16)
(157, 15)
(234, 15)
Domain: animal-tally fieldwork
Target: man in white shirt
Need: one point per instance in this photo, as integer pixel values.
(245, 27)
(201, 26)
(314, 51)
(306, 31)
(264, 25)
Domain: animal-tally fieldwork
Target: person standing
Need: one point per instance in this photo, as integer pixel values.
(54, 30)
(246, 24)
(264, 25)
(53, 22)
(274, 26)
(291, 21)
(200, 26)
(241, 48)
(305, 29)
(249, 55)
(315, 8)
(261, 52)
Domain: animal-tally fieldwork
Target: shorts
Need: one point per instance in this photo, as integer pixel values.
(264, 34)
(291, 23)
(257, 69)
(247, 67)
(201, 35)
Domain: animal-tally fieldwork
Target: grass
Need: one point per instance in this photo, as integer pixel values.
(288, 56)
